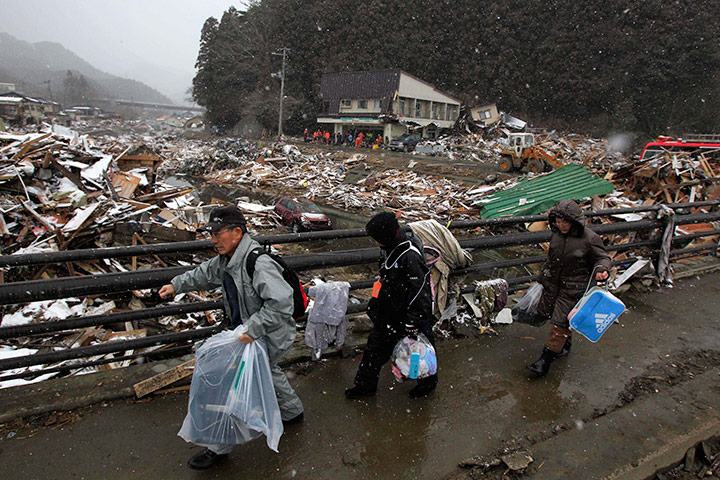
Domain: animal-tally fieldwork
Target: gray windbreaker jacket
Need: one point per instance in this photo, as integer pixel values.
(266, 300)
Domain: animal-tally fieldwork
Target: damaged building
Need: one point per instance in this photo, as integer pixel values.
(387, 102)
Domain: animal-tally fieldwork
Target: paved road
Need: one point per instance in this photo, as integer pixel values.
(485, 401)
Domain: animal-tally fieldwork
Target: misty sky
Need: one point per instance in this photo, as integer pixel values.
(154, 41)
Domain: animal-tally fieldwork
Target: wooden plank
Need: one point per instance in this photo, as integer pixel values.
(25, 146)
(88, 335)
(125, 184)
(127, 335)
(164, 379)
(69, 175)
(172, 390)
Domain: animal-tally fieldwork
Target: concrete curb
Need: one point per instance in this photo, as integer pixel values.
(649, 424)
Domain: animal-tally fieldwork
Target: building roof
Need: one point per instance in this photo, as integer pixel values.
(18, 97)
(380, 84)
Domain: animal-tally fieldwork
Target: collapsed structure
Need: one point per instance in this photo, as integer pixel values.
(112, 186)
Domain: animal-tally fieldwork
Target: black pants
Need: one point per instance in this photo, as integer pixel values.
(378, 351)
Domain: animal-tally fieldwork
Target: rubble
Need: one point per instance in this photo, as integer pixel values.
(108, 183)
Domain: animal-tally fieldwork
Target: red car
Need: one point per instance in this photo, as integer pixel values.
(301, 215)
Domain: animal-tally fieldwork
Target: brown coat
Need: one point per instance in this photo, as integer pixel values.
(572, 259)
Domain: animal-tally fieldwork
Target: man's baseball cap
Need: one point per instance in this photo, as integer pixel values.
(223, 217)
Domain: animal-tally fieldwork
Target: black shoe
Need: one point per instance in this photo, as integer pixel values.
(542, 366)
(296, 419)
(358, 392)
(205, 459)
(421, 390)
(566, 348)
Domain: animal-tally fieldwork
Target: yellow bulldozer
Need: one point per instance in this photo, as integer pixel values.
(521, 152)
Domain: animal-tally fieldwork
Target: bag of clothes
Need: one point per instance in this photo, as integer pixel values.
(414, 358)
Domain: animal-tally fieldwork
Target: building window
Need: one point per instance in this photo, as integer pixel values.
(418, 109)
(436, 111)
(485, 114)
(345, 103)
(362, 104)
(401, 107)
(376, 104)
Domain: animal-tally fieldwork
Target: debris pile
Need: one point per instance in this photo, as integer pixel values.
(67, 190)
(672, 177)
(322, 176)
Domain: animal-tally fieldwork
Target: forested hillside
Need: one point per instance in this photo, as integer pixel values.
(650, 67)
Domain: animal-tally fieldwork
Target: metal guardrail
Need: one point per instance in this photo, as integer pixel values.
(23, 292)
(28, 259)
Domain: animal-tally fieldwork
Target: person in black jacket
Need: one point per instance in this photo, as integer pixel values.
(401, 305)
(576, 254)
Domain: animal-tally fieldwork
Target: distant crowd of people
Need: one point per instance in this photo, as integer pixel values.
(352, 139)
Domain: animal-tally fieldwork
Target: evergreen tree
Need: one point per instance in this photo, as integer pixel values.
(590, 66)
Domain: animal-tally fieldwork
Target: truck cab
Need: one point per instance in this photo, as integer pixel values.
(520, 141)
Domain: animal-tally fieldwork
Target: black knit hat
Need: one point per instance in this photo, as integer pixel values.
(383, 227)
(224, 217)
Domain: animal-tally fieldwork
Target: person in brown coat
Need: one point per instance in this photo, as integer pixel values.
(576, 253)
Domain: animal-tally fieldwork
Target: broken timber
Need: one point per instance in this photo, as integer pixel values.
(164, 379)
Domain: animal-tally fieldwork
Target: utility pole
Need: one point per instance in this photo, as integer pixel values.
(283, 51)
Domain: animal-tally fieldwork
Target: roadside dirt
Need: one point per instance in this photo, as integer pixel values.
(675, 369)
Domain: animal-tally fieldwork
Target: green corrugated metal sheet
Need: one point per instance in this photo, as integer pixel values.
(530, 197)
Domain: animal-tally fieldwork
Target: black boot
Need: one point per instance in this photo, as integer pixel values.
(542, 366)
(424, 387)
(566, 348)
(358, 392)
(205, 459)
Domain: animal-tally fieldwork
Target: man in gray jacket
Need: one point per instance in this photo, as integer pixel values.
(263, 303)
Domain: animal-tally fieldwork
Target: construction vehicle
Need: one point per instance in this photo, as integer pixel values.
(521, 152)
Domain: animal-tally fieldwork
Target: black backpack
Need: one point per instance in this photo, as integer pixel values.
(300, 300)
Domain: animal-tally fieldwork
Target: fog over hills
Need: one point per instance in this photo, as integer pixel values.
(31, 66)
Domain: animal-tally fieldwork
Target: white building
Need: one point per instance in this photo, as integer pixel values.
(391, 102)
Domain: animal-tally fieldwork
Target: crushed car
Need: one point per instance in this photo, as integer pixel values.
(301, 215)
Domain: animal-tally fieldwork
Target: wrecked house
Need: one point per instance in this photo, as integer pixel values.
(20, 109)
(387, 102)
(81, 112)
(486, 114)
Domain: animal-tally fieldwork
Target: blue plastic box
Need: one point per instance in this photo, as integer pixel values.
(595, 312)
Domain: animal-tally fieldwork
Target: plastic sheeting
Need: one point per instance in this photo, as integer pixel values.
(232, 398)
(327, 324)
(665, 270)
(526, 309)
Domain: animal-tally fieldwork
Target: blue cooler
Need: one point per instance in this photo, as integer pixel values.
(595, 312)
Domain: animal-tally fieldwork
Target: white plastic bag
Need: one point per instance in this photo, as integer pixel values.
(232, 398)
(425, 363)
(526, 309)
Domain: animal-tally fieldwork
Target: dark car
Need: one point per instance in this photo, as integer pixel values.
(301, 215)
(406, 142)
